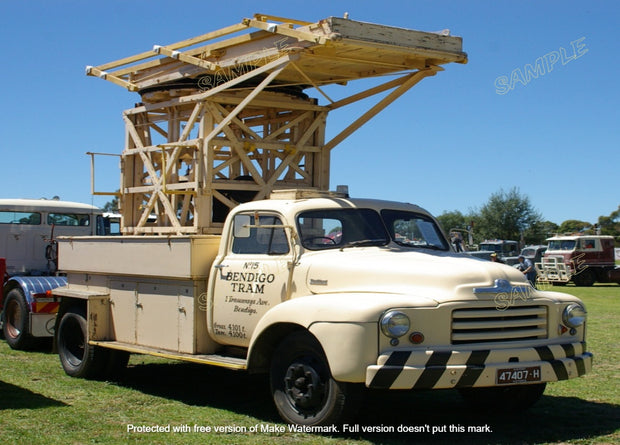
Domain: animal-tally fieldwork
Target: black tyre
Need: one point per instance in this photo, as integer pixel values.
(78, 358)
(504, 399)
(584, 278)
(302, 387)
(16, 327)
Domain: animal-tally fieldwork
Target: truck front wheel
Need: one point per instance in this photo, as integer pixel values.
(16, 321)
(78, 358)
(302, 387)
(584, 278)
(504, 399)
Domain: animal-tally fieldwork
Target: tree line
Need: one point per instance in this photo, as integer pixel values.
(510, 215)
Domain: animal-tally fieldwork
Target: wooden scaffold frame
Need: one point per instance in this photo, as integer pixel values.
(224, 118)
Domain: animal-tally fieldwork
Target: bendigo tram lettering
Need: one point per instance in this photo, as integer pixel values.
(249, 282)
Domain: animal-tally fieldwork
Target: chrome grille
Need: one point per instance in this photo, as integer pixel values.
(481, 325)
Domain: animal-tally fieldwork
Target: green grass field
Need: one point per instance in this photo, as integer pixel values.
(39, 404)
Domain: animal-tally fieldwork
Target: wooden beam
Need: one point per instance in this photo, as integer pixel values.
(413, 79)
(92, 71)
(286, 31)
(282, 62)
(177, 55)
(311, 82)
(174, 46)
(370, 92)
(265, 17)
(288, 125)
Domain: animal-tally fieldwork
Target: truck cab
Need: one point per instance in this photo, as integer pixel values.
(28, 231)
(582, 259)
(502, 248)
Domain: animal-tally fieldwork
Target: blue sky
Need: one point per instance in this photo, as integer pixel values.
(447, 144)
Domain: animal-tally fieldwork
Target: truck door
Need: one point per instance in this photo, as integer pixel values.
(251, 278)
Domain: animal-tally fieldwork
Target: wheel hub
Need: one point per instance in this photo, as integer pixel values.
(304, 386)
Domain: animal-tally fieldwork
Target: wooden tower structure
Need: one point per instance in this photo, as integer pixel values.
(224, 117)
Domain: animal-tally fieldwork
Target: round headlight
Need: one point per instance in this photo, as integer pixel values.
(395, 324)
(574, 315)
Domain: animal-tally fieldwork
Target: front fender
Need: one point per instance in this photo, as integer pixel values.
(346, 326)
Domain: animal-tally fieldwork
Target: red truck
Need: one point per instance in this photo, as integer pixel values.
(582, 259)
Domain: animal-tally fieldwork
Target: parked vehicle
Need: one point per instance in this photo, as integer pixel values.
(325, 294)
(582, 259)
(322, 315)
(532, 253)
(28, 231)
(502, 248)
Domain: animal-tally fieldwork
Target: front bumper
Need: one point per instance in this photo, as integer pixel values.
(428, 369)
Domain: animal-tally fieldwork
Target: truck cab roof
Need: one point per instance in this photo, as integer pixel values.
(326, 200)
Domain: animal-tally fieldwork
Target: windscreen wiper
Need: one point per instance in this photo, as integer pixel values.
(365, 242)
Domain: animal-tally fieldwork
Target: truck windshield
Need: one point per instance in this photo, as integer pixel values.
(338, 228)
(413, 230)
(561, 244)
(491, 247)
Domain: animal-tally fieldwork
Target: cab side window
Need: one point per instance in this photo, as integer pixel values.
(259, 236)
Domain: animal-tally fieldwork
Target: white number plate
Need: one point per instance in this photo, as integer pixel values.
(518, 375)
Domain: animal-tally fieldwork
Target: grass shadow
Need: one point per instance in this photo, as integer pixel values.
(552, 419)
(400, 417)
(16, 397)
(199, 385)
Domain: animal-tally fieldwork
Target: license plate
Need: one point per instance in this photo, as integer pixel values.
(518, 375)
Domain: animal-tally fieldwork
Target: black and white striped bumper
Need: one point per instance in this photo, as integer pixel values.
(423, 369)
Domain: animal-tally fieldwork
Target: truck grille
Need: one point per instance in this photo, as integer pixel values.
(482, 325)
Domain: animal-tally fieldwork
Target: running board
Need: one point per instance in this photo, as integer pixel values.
(205, 359)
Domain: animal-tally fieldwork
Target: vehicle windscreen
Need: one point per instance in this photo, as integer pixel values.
(491, 247)
(561, 245)
(414, 230)
(338, 228)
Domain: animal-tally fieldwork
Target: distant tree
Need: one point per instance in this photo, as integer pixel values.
(335, 230)
(111, 206)
(538, 232)
(610, 225)
(575, 226)
(507, 215)
(456, 220)
(452, 220)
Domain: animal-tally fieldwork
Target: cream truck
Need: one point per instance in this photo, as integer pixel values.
(326, 294)
(234, 253)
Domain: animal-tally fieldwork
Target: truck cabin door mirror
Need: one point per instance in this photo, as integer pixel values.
(242, 226)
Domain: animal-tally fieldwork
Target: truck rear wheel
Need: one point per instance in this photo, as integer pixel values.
(504, 399)
(16, 327)
(302, 387)
(78, 358)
